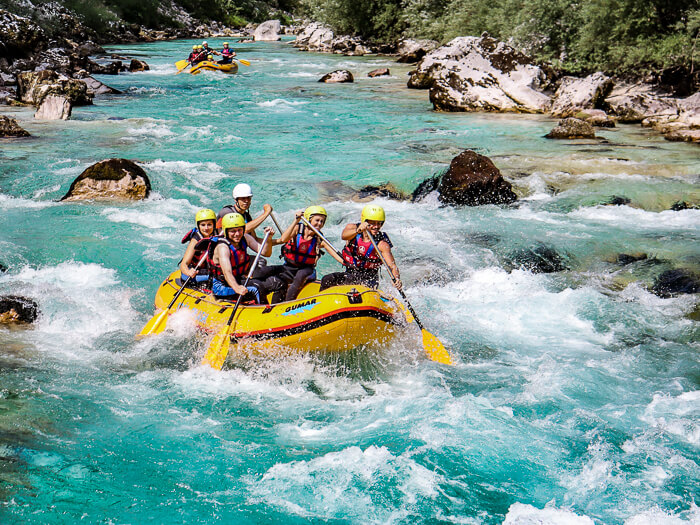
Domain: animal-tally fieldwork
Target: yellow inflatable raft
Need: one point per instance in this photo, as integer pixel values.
(337, 319)
(208, 65)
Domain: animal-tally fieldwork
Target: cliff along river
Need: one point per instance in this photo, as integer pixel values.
(575, 396)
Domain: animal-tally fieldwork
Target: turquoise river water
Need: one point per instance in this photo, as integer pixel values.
(575, 397)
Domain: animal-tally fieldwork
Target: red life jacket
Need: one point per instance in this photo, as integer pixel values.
(195, 234)
(227, 52)
(240, 261)
(299, 251)
(360, 254)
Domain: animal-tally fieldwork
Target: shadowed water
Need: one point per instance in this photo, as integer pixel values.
(575, 395)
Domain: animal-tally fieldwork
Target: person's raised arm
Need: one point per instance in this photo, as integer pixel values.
(252, 225)
(255, 245)
(291, 230)
(384, 247)
(351, 230)
(185, 269)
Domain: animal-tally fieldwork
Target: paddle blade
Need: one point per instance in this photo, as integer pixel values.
(180, 64)
(434, 349)
(244, 62)
(218, 350)
(155, 325)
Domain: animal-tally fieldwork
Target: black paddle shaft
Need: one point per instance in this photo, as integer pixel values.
(201, 260)
(250, 274)
(393, 280)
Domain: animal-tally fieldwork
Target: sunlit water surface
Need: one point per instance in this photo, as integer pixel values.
(575, 398)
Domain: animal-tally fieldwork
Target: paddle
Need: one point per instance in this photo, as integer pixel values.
(219, 346)
(434, 349)
(321, 236)
(158, 322)
(274, 219)
(242, 61)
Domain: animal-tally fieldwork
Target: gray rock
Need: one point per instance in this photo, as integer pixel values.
(481, 74)
(19, 36)
(411, 51)
(635, 102)
(315, 37)
(34, 86)
(95, 87)
(683, 135)
(576, 94)
(138, 65)
(572, 128)
(10, 128)
(676, 282)
(268, 31)
(54, 107)
(337, 76)
(111, 179)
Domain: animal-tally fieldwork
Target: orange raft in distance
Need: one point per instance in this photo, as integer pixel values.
(337, 319)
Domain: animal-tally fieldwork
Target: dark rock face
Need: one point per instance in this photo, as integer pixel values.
(15, 309)
(10, 128)
(381, 72)
(471, 180)
(629, 258)
(675, 282)
(138, 65)
(538, 259)
(337, 76)
(111, 179)
(617, 200)
(572, 128)
(20, 37)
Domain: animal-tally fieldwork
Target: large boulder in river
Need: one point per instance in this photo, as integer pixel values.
(315, 37)
(572, 128)
(379, 72)
(576, 94)
(471, 180)
(54, 108)
(337, 76)
(411, 51)
(10, 128)
(138, 65)
(111, 179)
(34, 86)
(15, 309)
(19, 36)
(481, 74)
(268, 31)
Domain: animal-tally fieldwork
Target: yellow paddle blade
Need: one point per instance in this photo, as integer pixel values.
(218, 350)
(435, 349)
(181, 64)
(155, 325)
(244, 62)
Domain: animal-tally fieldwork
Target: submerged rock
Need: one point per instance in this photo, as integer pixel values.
(10, 128)
(572, 128)
(481, 74)
(537, 259)
(54, 108)
(15, 309)
(387, 190)
(676, 282)
(111, 179)
(629, 258)
(381, 72)
(617, 200)
(471, 180)
(337, 76)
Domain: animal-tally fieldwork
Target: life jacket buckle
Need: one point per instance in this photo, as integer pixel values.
(354, 297)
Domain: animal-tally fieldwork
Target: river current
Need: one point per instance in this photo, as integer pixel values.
(575, 397)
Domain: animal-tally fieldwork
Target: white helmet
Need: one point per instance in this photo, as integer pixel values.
(204, 43)
(242, 190)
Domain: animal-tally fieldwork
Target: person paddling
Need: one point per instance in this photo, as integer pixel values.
(205, 221)
(301, 251)
(227, 54)
(361, 261)
(229, 262)
(243, 197)
(207, 50)
(193, 55)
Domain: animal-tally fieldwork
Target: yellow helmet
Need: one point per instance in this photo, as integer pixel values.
(232, 220)
(194, 46)
(225, 43)
(314, 210)
(205, 215)
(372, 212)
(209, 57)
